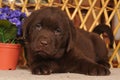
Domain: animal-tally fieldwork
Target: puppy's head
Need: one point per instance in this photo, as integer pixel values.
(48, 32)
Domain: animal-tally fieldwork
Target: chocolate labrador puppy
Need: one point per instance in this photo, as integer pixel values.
(54, 45)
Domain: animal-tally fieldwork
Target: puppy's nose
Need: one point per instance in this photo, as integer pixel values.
(44, 43)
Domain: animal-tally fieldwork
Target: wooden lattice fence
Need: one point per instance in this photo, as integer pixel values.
(86, 14)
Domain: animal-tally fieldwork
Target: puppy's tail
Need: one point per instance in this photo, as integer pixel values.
(103, 28)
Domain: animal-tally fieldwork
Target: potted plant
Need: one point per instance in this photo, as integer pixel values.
(10, 31)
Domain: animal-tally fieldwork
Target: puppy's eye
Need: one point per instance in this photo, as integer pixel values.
(58, 31)
(38, 26)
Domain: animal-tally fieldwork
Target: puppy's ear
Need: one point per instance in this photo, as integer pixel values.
(72, 36)
(27, 23)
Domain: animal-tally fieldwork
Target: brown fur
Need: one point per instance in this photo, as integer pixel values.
(54, 45)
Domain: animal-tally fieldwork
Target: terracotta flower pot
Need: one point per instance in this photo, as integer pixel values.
(9, 55)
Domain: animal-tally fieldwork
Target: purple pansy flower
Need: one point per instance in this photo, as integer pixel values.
(3, 16)
(14, 16)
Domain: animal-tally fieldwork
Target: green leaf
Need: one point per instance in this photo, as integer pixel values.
(8, 31)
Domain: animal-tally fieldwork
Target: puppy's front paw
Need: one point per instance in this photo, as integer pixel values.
(41, 70)
(98, 70)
